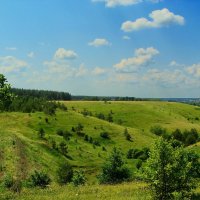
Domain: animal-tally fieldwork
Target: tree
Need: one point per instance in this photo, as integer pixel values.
(79, 178)
(170, 171)
(63, 148)
(110, 118)
(40, 179)
(127, 135)
(5, 93)
(41, 133)
(114, 171)
(65, 173)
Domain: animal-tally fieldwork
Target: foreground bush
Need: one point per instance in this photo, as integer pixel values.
(114, 170)
(172, 172)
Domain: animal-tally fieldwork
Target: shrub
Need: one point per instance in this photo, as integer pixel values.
(114, 171)
(127, 135)
(110, 118)
(17, 186)
(138, 154)
(96, 143)
(41, 133)
(192, 137)
(65, 173)
(46, 120)
(79, 127)
(90, 140)
(53, 144)
(66, 135)
(105, 135)
(59, 132)
(63, 148)
(177, 135)
(139, 164)
(171, 171)
(86, 138)
(104, 149)
(100, 116)
(40, 179)
(8, 181)
(158, 130)
(78, 178)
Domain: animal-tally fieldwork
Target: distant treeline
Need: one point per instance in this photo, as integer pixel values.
(44, 94)
(107, 98)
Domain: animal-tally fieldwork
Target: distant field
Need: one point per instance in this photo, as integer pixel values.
(144, 114)
(22, 151)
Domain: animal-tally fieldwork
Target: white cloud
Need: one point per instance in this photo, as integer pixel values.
(98, 71)
(114, 3)
(59, 67)
(165, 77)
(194, 70)
(11, 48)
(160, 18)
(142, 57)
(10, 64)
(31, 54)
(99, 42)
(62, 53)
(125, 37)
(81, 71)
(175, 64)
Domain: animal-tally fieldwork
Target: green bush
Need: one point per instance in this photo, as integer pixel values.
(8, 181)
(158, 130)
(78, 178)
(65, 173)
(59, 132)
(114, 170)
(41, 133)
(171, 171)
(105, 135)
(40, 179)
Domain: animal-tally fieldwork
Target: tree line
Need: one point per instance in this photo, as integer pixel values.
(18, 100)
(44, 94)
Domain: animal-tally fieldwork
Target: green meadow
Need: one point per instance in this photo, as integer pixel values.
(22, 151)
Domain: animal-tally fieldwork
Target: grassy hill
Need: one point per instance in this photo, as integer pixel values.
(22, 151)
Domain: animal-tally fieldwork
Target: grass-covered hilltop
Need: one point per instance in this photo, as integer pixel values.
(97, 149)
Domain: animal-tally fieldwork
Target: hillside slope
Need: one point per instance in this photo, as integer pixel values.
(22, 151)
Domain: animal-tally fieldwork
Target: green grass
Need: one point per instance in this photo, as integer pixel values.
(128, 191)
(22, 151)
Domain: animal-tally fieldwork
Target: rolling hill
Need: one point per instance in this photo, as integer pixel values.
(22, 151)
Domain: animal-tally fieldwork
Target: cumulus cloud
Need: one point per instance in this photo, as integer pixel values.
(142, 57)
(10, 64)
(194, 70)
(98, 71)
(125, 37)
(81, 71)
(114, 3)
(31, 54)
(165, 77)
(62, 53)
(99, 42)
(59, 67)
(11, 48)
(159, 18)
(173, 63)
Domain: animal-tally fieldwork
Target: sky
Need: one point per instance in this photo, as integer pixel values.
(140, 48)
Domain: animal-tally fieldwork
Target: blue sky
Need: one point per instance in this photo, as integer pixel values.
(142, 48)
